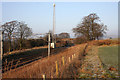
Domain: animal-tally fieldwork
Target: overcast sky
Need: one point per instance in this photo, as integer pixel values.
(39, 15)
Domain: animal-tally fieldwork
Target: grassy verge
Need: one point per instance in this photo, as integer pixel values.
(109, 55)
(109, 58)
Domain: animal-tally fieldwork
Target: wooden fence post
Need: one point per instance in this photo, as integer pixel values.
(69, 59)
(43, 77)
(72, 57)
(56, 68)
(63, 61)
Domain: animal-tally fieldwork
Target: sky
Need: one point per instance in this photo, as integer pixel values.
(39, 15)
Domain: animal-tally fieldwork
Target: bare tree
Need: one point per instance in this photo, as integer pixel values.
(9, 28)
(90, 27)
(23, 32)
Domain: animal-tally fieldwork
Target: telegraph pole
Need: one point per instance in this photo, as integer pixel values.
(1, 44)
(48, 44)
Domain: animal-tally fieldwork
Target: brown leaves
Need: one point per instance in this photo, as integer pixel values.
(112, 69)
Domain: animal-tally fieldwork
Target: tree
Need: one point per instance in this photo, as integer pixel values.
(90, 27)
(9, 28)
(64, 35)
(23, 32)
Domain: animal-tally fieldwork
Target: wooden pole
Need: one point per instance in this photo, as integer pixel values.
(48, 44)
(63, 61)
(1, 44)
(72, 57)
(69, 59)
(56, 68)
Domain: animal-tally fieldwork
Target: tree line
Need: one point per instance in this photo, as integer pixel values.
(16, 36)
(16, 33)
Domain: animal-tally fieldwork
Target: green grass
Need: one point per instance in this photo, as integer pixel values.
(109, 55)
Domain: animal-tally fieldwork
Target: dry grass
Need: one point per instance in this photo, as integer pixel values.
(107, 42)
(46, 65)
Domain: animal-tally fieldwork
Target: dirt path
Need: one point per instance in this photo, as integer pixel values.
(92, 67)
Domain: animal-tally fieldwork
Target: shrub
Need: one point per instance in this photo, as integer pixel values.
(34, 43)
(102, 42)
(80, 40)
(25, 45)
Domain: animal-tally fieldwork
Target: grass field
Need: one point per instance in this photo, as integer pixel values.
(109, 56)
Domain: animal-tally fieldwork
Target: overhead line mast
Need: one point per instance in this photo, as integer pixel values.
(53, 34)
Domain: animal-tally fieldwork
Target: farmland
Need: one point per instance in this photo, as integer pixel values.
(109, 58)
(109, 55)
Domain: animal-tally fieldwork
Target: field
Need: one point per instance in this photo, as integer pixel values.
(109, 55)
(109, 59)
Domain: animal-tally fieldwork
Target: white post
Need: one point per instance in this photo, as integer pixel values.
(43, 77)
(48, 44)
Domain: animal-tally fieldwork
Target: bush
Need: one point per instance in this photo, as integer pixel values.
(80, 40)
(25, 45)
(34, 43)
(104, 42)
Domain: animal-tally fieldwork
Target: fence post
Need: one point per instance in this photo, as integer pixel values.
(72, 57)
(43, 77)
(56, 68)
(69, 59)
(63, 61)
